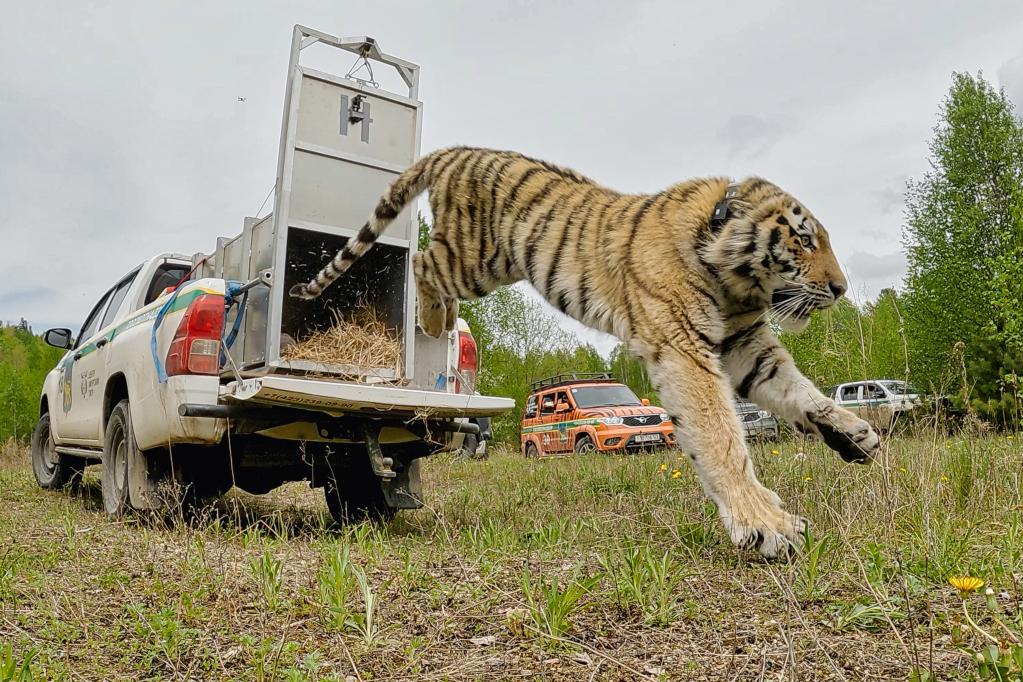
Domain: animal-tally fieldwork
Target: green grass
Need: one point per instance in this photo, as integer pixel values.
(597, 567)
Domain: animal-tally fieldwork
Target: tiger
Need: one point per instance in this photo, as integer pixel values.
(690, 279)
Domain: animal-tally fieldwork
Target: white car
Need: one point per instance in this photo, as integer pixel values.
(879, 401)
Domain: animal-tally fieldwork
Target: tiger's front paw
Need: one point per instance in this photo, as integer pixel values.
(755, 520)
(848, 435)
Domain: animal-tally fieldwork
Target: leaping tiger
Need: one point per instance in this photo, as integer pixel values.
(686, 278)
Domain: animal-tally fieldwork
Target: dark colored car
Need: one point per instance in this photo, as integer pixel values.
(756, 423)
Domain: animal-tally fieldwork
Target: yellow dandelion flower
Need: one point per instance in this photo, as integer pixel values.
(676, 474)
(965, 583)
(902, 469)
(944, 479)
(664, 467)
(807, 478)
(775, 453)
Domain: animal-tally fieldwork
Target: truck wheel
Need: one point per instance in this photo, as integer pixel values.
(530, 451)
(353, 494)
(471, 447)
(118, 447)
(52, 470)
(585, 444)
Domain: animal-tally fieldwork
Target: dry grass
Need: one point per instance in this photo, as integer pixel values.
(361, 340)
(481, 584)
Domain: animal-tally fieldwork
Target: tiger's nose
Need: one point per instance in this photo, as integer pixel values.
(837, 289)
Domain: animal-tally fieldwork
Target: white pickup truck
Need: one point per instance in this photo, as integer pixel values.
(207, 430)
(177, 374)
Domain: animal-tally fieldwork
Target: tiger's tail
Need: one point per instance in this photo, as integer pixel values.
(407, 187)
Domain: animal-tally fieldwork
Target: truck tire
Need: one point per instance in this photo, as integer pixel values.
(530, 451)
(52, 470)
(353, 493)
(471, 447)
(118, 448)
(585, 444)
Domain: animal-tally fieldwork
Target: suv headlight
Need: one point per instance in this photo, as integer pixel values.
(611, 421)
(665, 417)
(763, 414)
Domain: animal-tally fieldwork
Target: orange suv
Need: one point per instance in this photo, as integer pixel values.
(585, 412)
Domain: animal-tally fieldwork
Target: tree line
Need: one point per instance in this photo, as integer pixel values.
(24, 362)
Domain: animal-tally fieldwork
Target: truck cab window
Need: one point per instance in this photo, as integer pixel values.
(92, 321)
(117, 298)
(531, 407)
(167, 275)
(547, 405)
(873, 392)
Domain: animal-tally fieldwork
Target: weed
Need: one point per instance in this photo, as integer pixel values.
(13, 668)
(336, 583)
(551, 608)
(816, 550)
(868, 617)
(267, 570)
(999, 657)
(164, 631)
(9, 561)
(412, 576)
(488, 537)
(364, 622)
(645, 580)
(309, 670)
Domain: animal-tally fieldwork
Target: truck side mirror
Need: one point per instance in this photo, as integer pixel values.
(60, 337)
(645, 401)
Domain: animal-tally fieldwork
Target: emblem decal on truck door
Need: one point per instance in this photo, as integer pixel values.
(66, 377)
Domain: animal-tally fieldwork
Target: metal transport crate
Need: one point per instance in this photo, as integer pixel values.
(343, 141)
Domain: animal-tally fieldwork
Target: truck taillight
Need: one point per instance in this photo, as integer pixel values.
(468, 363)
(196, 345)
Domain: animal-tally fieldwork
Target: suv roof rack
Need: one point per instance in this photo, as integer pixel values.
(570, 378)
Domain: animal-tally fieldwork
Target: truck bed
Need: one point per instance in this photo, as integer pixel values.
(338, 397)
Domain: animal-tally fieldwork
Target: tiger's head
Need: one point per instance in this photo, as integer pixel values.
(773, 252)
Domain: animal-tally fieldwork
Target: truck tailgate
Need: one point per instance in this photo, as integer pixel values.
(340, 397)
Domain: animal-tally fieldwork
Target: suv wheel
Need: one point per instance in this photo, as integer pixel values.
(52, 470)
(585, 444)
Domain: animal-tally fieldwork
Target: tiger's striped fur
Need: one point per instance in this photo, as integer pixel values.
(687, 294)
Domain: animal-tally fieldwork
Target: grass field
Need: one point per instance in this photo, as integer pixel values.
(595, 568)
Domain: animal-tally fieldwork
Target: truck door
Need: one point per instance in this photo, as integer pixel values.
(548, 433)
(849, 397)
(77, 370)
(90, 366)
(561, 437)
(877, 408)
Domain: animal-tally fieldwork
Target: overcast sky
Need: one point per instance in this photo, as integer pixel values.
(123, 135)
